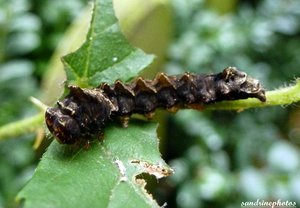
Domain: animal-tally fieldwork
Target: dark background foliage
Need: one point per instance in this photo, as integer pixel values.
(220, 158)
(223, 158)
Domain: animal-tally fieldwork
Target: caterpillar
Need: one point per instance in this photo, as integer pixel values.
(83, 113)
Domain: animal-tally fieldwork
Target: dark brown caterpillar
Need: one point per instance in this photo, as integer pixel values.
(84, 112)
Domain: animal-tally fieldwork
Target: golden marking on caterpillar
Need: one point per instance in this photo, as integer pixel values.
(83, 113)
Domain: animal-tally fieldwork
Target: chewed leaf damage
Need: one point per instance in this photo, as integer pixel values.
(158, 170)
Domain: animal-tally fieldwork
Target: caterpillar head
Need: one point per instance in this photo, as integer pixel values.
(232, 82)
(62, 126)
(79, 115)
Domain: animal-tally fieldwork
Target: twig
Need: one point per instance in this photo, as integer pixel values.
(283, 96)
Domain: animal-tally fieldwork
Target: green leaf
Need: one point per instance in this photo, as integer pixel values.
(105, 174)
(106, 55)
(101, 176)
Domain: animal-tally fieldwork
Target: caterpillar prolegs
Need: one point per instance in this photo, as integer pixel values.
(84, 112)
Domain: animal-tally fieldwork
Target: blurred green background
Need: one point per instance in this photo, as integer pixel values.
(220, 158)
